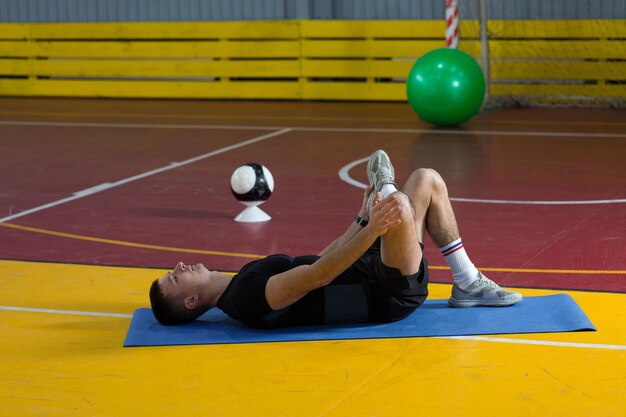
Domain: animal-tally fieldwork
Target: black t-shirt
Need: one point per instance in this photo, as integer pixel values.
(366, 291)
(244, 298)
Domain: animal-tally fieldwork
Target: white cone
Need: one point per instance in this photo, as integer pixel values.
(252, 214)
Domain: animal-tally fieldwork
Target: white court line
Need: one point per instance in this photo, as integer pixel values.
(281, 130)
(344, 174)
(462, 132)
(540, 202)
(538, 342)
(311, 129)
(135, 125)
(106, 186)
(476, 338)
(70, 312)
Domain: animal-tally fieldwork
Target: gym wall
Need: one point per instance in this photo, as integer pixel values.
(194, 49)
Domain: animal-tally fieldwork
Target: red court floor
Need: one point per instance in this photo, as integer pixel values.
(540, 194)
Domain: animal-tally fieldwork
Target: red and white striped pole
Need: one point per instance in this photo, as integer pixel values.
(452, 24)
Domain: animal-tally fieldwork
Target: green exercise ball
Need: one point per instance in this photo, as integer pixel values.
(446, 87)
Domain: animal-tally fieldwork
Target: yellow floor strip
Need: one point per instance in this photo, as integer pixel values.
(255, 256)
(67, 364)
(546, 271)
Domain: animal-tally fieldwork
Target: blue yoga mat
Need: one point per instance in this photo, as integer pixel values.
(553, 313)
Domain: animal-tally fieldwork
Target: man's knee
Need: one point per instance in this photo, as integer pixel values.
(428, 178)
(406, 206)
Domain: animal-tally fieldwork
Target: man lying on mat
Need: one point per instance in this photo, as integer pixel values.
(374, 272)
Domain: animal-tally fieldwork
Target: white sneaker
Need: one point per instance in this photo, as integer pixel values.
(483, 292)
(379, 172)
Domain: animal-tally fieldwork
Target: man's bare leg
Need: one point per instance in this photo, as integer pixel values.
(434, 214)
(425, 207)
(433, 211)
(400, 246)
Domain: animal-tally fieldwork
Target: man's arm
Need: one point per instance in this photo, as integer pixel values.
(352, 230)
(286, 288)
(343, 239)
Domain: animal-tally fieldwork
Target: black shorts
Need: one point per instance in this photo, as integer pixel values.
(391, 296)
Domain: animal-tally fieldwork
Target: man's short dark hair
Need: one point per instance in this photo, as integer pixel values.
(165, 310)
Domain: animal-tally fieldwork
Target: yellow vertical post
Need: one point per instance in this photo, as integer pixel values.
(301, 75)
(368, 60)
(224, 79)
(31, 46)
(602, 82)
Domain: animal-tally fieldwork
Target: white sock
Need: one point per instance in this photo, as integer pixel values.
(463, 270)
(386, 190)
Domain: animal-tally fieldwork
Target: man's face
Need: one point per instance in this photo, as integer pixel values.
(184, 280)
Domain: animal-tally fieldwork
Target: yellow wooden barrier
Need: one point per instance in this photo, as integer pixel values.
(178, 60)
(250, 30)
(562, 60)
(333, 60)
(368, 60)
(165, 69)
(156, 50)
(557, 29)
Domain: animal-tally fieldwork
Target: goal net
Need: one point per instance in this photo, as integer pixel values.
(553, 53)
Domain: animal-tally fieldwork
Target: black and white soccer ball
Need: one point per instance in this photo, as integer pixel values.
(252, 183)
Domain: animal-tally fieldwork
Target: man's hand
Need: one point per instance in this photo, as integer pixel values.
(383, 214)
